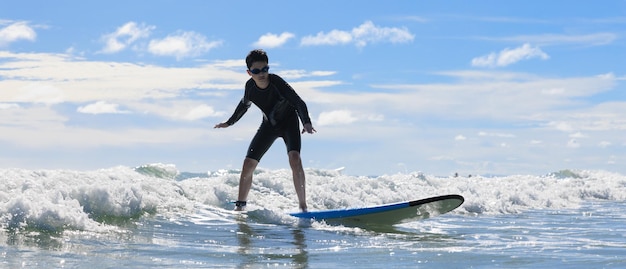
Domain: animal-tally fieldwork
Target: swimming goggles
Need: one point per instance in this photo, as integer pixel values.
(257, 71)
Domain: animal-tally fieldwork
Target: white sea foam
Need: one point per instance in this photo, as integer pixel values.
(57, 200)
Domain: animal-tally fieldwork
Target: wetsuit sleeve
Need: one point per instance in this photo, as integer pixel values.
(241, 108)
(293, 98)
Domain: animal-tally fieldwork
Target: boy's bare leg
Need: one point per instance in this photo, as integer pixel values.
(299, 181)
(245, 180)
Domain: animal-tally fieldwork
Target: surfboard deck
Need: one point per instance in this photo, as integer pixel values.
(389, 214)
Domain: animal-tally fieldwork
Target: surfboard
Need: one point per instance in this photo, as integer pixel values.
(389, 214)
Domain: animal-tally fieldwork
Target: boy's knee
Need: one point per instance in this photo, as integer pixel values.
(294, 157)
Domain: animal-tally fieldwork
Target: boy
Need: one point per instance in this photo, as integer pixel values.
(281, 107)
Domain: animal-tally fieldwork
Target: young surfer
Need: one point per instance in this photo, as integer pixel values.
(282, 110)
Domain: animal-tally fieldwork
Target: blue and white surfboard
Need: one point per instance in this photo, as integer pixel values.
(388, 214)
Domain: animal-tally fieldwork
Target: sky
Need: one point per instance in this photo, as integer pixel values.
(467, 87)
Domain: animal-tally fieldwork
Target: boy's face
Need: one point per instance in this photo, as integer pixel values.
(261, 78)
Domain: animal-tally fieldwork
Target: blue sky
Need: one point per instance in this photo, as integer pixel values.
(474, 87)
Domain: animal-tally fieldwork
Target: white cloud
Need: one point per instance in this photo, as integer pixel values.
(414, 19)
(460, 138)
(40, 93)
(604, 144)
(508, 99)
(510, 56)
(368, 32)
(514, 100)
(560, 126)
(124, 36)
(572, 143)
(8, 106)
(201, 112)
(375, 117)
(336, 117)
(55, 78)
(343, 117)
(270, 40)
(595, 39)
(334, 37)
(16, 31)
(28, 118)
(181, 45)
(361, 36)
(178, 109)
(296, 74)
(101, 107)
(496, 134)
(480, 75)
(553, 91)
(42, 127)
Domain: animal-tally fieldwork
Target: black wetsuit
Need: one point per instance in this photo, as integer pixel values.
(281, 107)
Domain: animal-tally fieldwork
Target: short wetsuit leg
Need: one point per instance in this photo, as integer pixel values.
(262, 141)
(291, 136)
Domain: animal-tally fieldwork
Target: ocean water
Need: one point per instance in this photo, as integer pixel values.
(155, 216)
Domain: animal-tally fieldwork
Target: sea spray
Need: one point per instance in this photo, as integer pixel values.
(58, 200)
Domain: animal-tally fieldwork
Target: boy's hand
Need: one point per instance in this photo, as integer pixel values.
(221, 125)
(308, 128)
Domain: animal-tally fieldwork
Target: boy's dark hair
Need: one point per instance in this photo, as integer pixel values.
(257, 55)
